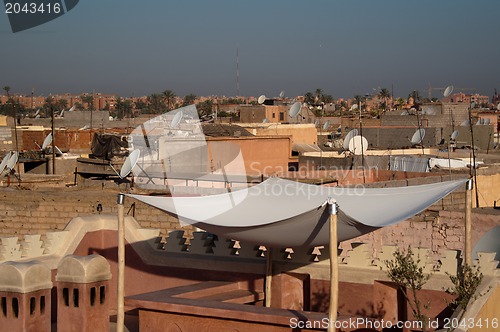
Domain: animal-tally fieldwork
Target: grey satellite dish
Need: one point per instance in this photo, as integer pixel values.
(12, 161)
(447, 92)
(472, 105)
(487, 121)
(282, 94)
(405, 112)
(37, 117)
(465, 123)
(326, 125)
(294, 110)
(418, 136)
(316, 122)
(47, 141)
(261, 99)
(488, 243)
(4, 162)
(358, 145)
(61, 114)
(413, 109)
(72, 108)
(37, 112)
(176, 120)
(454, 135)
(348, 137)
(130, 163)
(498, 107)
(266, 120)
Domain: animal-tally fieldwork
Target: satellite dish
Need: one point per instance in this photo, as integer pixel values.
(465, 123)
(4, 162)
(326, 125)
(261, 99)
(47, 141)
(348, 137)
(61, 114)
(405, 112)
(447, 92)
(176, 120)
(294, 110)
(498, 107)
(37, 117)
(72, 108)
(37, 111)
(58, 151)
(472, 105)
(487, 121)
(354, 107)
(479, 122)
(266, 120)
(454, 135)
(316, 122)
(282, 93)
(12, 160)
(418, 136)
(358, 145)
(130, 163)
(85, 127)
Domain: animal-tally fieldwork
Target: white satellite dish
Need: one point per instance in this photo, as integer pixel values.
(266, 120)
(465, 123)
(47, 141)
(4, 162)
(454, 135)
(295, 109)
(358, 145)
(282, 93)
(12, 160)
(85, 127)
(37, 111)
(72, 108)
(348, 137)
(130, 163)
(498, 107)
(418, 136)
(37, 117)
(58, 151)
(326, 125)
(261, 99)
(405, 112)
(447, 92)
(354, 107)
(61, 114)
(487, 121)
(176, 120)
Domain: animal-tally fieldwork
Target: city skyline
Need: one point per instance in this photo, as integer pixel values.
(345, 49)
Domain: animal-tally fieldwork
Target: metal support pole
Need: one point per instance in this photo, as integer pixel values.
(120, 316)
(269, 276)
(334, 267)
(468, 224)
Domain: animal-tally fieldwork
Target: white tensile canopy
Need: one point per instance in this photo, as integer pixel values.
(283, 213)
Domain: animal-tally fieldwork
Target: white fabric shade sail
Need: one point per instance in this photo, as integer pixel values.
(283, 213)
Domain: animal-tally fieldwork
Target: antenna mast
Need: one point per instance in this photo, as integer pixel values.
(237, 72)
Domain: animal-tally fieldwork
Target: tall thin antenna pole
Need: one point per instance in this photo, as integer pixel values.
(237, 72)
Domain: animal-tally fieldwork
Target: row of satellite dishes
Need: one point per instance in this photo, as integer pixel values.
(59, 115)
(9, 161)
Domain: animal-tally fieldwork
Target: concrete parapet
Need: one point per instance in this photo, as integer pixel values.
(82, 293)
(25, 296)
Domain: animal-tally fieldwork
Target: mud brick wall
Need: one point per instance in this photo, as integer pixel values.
(35, 212)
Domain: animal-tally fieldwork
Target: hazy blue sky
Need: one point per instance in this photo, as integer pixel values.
(343, 47)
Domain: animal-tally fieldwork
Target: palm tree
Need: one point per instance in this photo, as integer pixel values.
(189, 99)
(156, 103)
(89, 100)
(415, 95)
(169, 97)
(384, 94)
(309, 98)
(6, 89)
